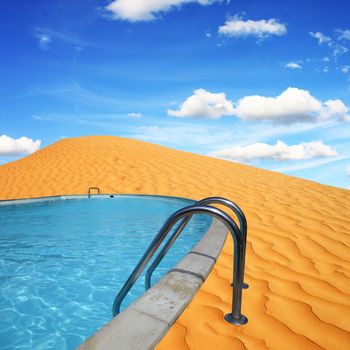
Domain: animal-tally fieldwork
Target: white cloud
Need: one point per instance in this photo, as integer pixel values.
(345, 69)
(44, 38)
(47, 36)
(292, 105)
(15, 147)
(236, 26)
(337, 48)
(293, 65)
(135, 115)
(147, 10)
(335, 108)
(280, 151)
(204, 104)
(320, 37)
(344, 34)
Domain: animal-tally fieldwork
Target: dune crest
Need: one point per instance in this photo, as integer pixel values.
(298, 252)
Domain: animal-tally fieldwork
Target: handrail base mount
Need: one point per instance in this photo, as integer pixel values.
(237, 321)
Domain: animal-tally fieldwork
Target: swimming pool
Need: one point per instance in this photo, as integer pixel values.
(63, 261)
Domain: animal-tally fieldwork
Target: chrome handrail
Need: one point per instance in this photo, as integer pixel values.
(235, 317)
(93, 188)
(165, 249)
(210, 200)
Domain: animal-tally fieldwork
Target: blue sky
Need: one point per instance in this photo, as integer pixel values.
(265, 83)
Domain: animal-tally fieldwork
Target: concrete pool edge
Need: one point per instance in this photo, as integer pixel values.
(146, 321)
(15, 201)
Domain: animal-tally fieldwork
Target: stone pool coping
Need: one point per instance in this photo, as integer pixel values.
(146, 321)
(85, 196)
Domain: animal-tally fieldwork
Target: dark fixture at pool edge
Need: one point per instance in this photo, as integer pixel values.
(239, 236)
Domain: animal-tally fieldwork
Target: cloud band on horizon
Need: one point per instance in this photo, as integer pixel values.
(280, 151)
(21, 146)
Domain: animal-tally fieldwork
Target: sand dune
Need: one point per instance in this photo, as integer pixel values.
(298, 252)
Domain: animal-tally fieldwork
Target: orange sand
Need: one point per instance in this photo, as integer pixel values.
(298, 256)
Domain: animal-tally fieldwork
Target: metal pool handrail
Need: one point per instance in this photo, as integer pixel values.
(210, 200)
(94, 188)
(235, 317)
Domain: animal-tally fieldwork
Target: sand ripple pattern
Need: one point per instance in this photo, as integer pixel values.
(298, 253)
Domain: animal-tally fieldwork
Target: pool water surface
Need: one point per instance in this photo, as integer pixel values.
(62, 263)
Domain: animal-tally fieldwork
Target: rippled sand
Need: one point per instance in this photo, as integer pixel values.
(298, 256)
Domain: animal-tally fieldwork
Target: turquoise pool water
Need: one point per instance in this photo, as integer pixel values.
(62, 263)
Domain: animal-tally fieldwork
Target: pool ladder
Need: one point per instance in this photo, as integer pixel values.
(239, 236)
(93, 188)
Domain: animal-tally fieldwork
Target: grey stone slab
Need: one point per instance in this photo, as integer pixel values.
(213, 241)
(130, 330)
(169, 297)
(196, 264)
